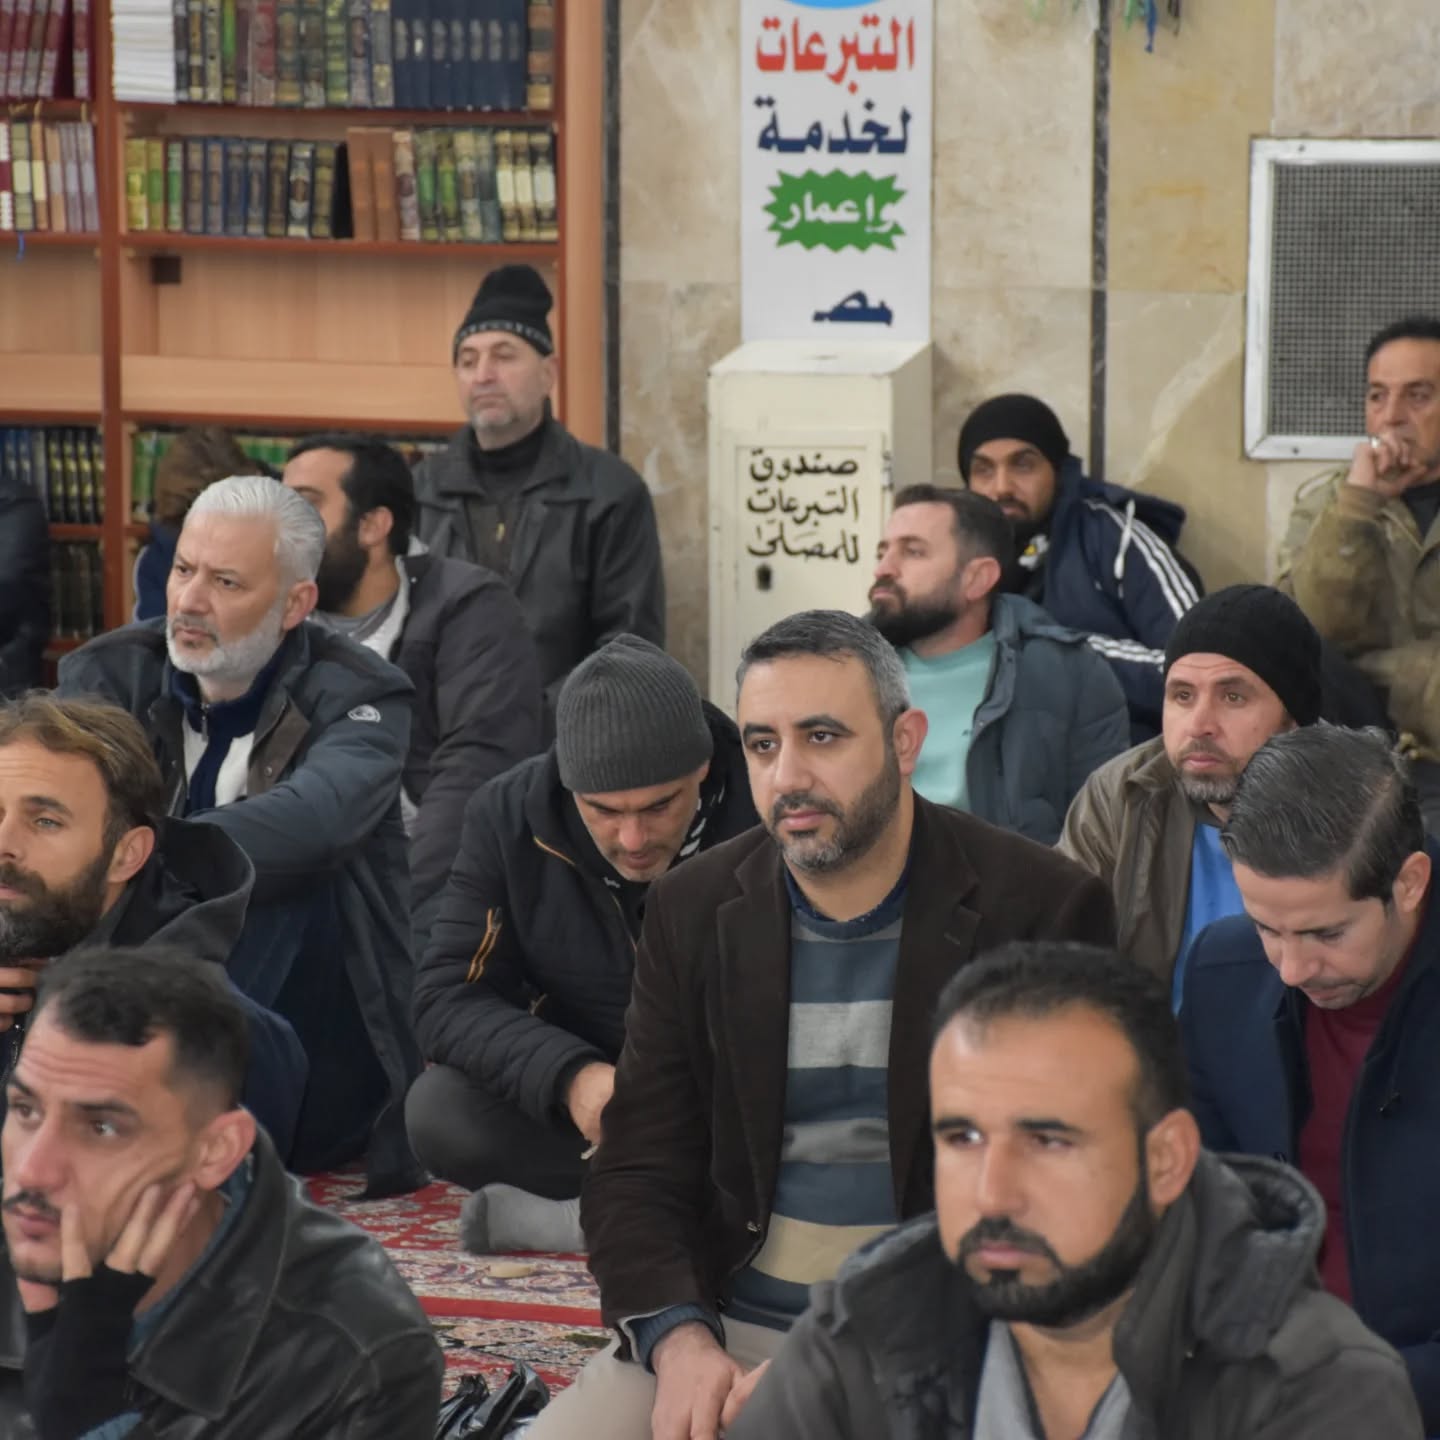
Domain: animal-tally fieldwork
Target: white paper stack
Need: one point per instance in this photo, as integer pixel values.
(144, 50)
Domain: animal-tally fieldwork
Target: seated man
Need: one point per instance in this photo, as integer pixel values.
(291, 740)
(174, 1281)
(769, 1106)
(1242, 666)
(1021, 711)
(1090, 1270)
(1327, 1056)
(87, 856)
(545, 900)
(1359, 555)
(1098, 557)
(453, 628)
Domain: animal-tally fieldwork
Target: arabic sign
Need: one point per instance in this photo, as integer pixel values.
(835, 125)
(804, 504)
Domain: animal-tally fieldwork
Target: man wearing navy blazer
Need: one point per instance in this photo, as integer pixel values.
(1312, 1023)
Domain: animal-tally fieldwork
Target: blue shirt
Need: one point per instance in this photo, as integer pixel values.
(949, 689)
(1214, 895)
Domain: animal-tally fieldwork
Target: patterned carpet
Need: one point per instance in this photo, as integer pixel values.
(487, 1310)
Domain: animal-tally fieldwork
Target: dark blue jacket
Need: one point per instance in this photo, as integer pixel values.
(1111, 572)
(1244, 1034)
(152, 571)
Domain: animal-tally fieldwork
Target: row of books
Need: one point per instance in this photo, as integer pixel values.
(329, 54)
(45, 49)
(64, 465)
(77, 590)
(47, 176)
(464, 185)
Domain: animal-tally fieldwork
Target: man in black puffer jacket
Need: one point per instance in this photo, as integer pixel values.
(523, 984)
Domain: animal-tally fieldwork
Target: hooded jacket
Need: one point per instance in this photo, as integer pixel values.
(527, 973)
(1052, 714)
(1111, 571)
(1227, 1334)
(24, 586)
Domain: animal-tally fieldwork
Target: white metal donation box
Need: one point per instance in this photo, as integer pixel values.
(807, 443)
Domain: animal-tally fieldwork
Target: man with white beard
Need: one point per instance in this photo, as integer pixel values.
(292, 740)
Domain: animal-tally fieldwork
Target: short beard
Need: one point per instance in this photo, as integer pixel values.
(341, 568)
(1078, 1292)
(857, 829)
(905, 623)
(51, 921)
(239, 662)
(1209, 789)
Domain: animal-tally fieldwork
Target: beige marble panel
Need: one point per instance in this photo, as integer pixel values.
(1181, 119)
(1174, 424)
(679, 152)
(991, 341)
(1013, 126)
(1343, 69)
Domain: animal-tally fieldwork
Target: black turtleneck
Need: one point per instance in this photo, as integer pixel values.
(502, 475)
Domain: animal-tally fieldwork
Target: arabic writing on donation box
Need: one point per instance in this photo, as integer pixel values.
(835, 169)
(805, 504)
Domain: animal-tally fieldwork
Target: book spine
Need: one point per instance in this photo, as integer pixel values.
(362, 184)
(74, 474)
(382, 55)
(70, 175)
(337, 55)
(34, 50)
(39, 181)
(322, 213)
(400, 53)
(425, 186)
(525, 186)
(89, 192)
(382, 162)
(214, 53)
(459, 54)
(19, 45)
(237, 186)
(515, 60)
(255, 176)
(358, 26)
(288, 88)
(301, 189)
(542, 167)
(20, 174)
(7, 179)
(50, 57)
(262, 53)
(155, 184)
(312, 54)
(477, 40)
(82, 82)
(540, 58)
(180, 24)
(55, 179)
(505, 185)
(492, 225)
(136, 186)
(175, 185)
(244, 52)
(229, 72)
(57, 474)
(447, 187)
(214, 185)
(7, 39)
(407, 205)
(420, 54)
(196, 14)
(440, 98)
(467, 180)
(277, 197)
(194, 186)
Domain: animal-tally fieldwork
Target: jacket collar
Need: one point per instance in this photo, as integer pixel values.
(554, 466)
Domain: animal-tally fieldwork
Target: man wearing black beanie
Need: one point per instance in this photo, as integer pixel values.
(570, 527)
(1244, 664)
(1099, 558)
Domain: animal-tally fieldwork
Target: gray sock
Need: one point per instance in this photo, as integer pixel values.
(500, 1218)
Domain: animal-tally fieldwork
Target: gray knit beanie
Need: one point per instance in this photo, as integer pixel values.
(629, 717)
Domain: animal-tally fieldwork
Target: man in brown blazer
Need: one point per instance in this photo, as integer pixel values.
(770, 1107)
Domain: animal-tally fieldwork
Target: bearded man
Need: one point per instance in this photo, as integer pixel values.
(1021, 710)
(769, 1102)
(292, 740)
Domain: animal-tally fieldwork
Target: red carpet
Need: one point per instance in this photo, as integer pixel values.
(487, 1310)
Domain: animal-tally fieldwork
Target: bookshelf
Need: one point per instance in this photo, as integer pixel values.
(123, 331)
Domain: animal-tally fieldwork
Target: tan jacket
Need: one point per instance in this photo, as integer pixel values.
(1358, 566)
(1132, 826)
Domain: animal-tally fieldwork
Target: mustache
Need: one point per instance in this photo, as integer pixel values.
(1003, 1231)
(798, 801)
(34, 1201)
(1203, 747)
(192, 622)
(14, 878)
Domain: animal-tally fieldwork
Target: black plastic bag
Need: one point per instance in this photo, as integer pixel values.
(473, 1413)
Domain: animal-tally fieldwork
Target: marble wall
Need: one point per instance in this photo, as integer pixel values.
(1012, 257)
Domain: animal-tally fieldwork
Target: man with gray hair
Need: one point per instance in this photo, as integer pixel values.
(769, 1109)
(1309, 1022)
(292, 740)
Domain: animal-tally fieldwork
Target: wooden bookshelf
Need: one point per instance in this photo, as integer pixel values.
(129, 331)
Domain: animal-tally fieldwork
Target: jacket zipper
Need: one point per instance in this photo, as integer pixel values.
(551, 850)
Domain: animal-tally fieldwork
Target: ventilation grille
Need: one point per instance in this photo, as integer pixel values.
(1345, 239)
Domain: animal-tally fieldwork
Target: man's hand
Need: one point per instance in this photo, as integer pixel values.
(740, 1394)
(588, 1094)
(693, 1381)
(75, 1376)
(21, 979)
(1386, 464)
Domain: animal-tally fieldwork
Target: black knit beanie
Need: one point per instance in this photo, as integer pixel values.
(629, 717)
(1014, 417)
(514, 298)
(1266, 632)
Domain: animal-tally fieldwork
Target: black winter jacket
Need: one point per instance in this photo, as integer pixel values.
(295, 1327)
(527, 973)
(585, 555)
(24, 587)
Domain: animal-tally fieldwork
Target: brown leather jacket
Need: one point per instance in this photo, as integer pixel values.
(678, 1197)
(1132, 825)
(295, 1327)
